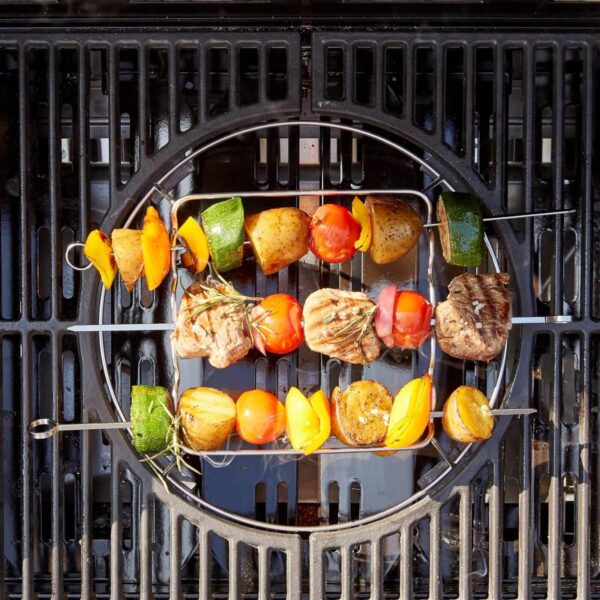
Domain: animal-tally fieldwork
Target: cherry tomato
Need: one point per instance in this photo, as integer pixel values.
(278, 324)
(333, 232)
(260, 417)
(412, 319)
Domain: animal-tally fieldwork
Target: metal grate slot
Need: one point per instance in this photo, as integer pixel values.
(248, 76)
(424, 88)
(218, 81)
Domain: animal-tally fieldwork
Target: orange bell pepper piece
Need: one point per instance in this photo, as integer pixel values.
(98, 250)
(308, 420)
(410, 413)
(193, 236)
(156, 249)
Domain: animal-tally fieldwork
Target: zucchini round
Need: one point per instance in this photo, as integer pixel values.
(223, 224)
(461, 229)
(151, 418)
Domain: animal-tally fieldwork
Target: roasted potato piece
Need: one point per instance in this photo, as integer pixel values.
(127, 248)
(467, 415)
(360, 415)
(279, 237)
(207, 417)
(396, 228)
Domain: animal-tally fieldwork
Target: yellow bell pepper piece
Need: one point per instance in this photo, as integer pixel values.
(361, 214)
(308, 420)
(98, 250)
(410, 413)
(156, 249)
(193, 236)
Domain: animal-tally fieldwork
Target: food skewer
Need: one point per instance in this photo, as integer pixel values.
(42, 429)
(125, 327)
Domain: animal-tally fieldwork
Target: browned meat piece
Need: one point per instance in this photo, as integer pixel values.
(219, 333)
(339, 324)
(473, 322)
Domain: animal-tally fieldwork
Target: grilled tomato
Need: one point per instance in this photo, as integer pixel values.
(277, 324)
(260, 417)
(403, 318)
(333, 233)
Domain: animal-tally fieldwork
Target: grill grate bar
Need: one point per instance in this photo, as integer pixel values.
(203, 565)
(495, 526)
(555, 517)
(234, 569)
(174, 555)
(143, 101)
(406, 543)
(346, 590)
(83, 134)
(263, 573)
(27, 550)
(113, 125)
(116, 582)
(435, 578)
(557, 183)
(584, 484)
(145, 543)
(499, 120)
(173, 93)
(376, 570)
(57, 472)
(528, 128)
(465, 535)
(469, 57)
(525, 516)
(86, 517)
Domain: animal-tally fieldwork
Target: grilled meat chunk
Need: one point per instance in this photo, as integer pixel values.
(219, 332)
(339, 324)
(473, 322)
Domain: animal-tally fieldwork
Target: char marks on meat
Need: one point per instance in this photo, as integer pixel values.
(219, 333)
(474, 321)
(333, 322)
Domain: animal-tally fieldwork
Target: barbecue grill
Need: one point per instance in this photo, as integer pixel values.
(103, 108)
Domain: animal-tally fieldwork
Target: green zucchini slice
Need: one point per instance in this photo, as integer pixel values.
(223, 224)
(461, 229)
(151, 418)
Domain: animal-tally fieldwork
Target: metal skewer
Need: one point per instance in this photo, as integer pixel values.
(116, 327)
(549, 213)
(42, 429)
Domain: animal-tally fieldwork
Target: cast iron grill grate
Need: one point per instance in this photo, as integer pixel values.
(87, 121)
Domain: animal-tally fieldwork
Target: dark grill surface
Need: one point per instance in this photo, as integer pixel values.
(87, 120)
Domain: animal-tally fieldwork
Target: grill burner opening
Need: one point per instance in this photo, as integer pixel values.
(92, 118)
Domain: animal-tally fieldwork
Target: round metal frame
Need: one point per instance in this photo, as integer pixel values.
(437, 179)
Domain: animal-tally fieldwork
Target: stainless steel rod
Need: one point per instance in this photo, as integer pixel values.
(550, 213)
(116, 327)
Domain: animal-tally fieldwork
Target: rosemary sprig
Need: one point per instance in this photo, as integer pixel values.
(358, 327)
(218, 292)
(173, 448)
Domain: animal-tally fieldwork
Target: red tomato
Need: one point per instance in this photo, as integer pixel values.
(278, 319)
(412, 319)
(333, 231)
(260, 417)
